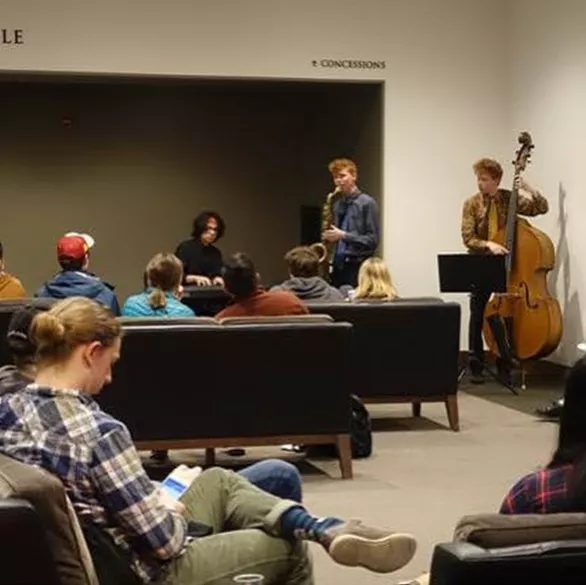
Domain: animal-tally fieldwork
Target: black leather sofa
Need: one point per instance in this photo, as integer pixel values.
(404, 351)
(544, 563)
(204, 385)
(536, 549)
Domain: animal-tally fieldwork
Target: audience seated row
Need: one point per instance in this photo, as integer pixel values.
(165, 274)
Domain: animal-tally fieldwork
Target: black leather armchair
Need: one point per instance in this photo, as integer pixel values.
(545, 563)
(25, 555)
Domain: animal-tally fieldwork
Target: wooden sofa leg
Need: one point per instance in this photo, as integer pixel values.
(345, 455)
(210, 457)
(416, 408)
(452, 410)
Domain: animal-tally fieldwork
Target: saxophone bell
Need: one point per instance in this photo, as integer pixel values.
(320, 251)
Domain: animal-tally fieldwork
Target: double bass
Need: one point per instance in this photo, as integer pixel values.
(531, 317)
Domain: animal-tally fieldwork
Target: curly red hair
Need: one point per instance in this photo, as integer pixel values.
(489, 166)
(342, 164)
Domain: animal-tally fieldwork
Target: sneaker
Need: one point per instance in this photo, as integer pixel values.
(355, 545)
(553, 410)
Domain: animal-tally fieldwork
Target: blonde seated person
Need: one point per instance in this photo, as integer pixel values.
(162, 295)
(374, 282)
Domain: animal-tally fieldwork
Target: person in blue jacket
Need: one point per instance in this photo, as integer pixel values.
(164, 274)
(74, 279)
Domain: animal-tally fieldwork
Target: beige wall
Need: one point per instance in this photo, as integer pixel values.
(548, 97)
(445, 99)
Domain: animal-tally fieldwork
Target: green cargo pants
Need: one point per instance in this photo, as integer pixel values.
(245, 521)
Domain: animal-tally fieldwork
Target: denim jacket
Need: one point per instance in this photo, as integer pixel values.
(361, 224)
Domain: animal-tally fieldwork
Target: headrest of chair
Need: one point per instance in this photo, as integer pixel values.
(502, 530)
(11, 305)
(280, 320)
(166, 322)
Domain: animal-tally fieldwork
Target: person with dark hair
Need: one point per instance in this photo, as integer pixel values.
(304, 280)
(22, 350)
(561, 485)
(164, 274)
(10, 286)
(73, 280)
(202, 260)
(242, 282)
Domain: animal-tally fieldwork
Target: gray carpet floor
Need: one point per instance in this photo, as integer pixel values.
(423, 477)
(540, 389)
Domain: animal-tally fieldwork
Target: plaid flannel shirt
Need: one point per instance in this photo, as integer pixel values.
(542, 492)
(66, 433)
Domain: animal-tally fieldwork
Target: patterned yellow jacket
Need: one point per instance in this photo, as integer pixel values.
(475, 215)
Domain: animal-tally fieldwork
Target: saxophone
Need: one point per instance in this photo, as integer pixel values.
(323, 249)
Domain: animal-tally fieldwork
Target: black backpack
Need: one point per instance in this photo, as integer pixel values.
(360, 429)
(360, 434)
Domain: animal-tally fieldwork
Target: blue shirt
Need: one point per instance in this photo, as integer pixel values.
(358, 216)
(139, 306)
(79, 283)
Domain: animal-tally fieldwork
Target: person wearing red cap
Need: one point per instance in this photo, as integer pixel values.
(74, 280)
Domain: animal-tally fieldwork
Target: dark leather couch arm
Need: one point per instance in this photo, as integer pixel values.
(546, 563)
(25, 556)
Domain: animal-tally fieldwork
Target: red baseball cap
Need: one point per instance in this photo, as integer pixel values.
(72, 248)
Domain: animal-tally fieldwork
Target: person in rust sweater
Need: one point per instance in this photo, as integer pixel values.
(242, 281)
(10, 286)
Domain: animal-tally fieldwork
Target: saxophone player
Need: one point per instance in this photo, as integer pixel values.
(354, 232)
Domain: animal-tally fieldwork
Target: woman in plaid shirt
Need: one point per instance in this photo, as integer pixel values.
(561, 485)
(56, 424)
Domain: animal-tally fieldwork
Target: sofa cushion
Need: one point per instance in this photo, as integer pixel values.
(502, 530)
(46, 494)
(165, 321)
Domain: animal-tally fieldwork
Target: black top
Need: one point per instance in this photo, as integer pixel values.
(199, 259)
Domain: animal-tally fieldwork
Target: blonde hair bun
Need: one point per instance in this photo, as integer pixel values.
(47, 329)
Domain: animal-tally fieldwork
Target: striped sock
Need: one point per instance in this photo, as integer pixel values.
(298, 523)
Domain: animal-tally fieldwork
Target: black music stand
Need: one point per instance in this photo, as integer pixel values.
(468, 273)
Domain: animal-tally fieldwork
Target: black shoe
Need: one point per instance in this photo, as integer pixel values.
(160, 456)
(503, 372)
(553, 410)
(235, 452)
(476, 368)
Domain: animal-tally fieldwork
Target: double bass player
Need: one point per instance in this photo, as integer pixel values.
(483, 215)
